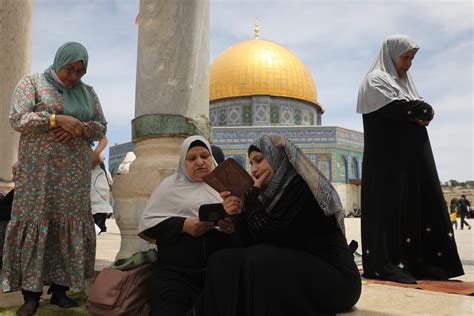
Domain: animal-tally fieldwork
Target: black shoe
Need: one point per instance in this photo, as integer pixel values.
(31, 303)
(399, 278)
(395, 274)
(59, 296)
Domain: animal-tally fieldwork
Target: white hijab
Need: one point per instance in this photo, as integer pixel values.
(178, 195)
(382, 84)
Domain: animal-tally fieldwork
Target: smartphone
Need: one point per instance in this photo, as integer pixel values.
(211, 212)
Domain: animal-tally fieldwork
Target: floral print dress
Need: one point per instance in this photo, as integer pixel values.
(51, 235)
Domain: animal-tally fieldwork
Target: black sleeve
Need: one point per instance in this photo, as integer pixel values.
(6, 206)
(403, 110)
(257, 224)
(166, 232)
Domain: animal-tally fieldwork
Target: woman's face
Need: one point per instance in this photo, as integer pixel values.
(198, 163)
(259, 164)
(72, 73)
(403, 62)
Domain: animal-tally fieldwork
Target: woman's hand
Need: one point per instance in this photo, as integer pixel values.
(95, 159)
(195, 228)
(261, 180)
(232, 204)
(60, 135)
(226, 225)
(71, 124)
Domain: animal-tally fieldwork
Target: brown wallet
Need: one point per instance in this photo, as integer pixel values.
(230, 176)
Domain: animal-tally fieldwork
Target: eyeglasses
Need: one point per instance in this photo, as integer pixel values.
(78, 72)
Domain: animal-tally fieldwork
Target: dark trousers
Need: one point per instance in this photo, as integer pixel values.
(99, 219)
(455, 224)
(463, 221)
(175, 290)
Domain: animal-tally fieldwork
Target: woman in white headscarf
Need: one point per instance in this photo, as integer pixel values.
(406, 232)
(184, 243)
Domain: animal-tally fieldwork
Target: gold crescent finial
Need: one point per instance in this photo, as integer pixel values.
(257, 29)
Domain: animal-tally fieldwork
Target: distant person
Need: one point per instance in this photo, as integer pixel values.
(218, 154)
(405, 225)
(101, 184)
(463, 209)
(50, 239)
(453, 216)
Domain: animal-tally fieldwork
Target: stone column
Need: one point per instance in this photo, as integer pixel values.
(15, 62)
(171, 103)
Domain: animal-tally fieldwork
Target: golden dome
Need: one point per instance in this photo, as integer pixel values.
(260, 67)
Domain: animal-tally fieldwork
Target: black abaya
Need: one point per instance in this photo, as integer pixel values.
(297, 262)
(405, 221)
(178, 275)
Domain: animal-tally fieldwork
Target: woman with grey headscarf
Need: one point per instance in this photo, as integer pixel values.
(297, 261)
(406, 231)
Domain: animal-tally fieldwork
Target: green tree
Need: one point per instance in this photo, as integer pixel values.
(454, 183)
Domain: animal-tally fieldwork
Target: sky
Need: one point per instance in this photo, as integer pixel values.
(337, 40)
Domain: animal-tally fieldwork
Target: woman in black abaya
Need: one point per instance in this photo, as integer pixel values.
(406, 231)
(297, 261)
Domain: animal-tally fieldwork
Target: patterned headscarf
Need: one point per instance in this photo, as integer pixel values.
(287, 160)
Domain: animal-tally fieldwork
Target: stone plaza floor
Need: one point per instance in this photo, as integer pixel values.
(376, 299)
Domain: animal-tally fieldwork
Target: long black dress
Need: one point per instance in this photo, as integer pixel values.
(405, 221)
(297, 262)
(178, 276)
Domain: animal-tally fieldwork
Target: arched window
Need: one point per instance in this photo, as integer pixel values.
(342, 166)
(354, 169)
(324, 165)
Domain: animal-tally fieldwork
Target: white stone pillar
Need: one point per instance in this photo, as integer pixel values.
(15, 62)
(171, 103)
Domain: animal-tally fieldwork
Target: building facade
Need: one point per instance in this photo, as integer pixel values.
(259, 86)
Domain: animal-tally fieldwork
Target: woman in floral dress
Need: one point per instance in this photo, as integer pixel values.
(50, 239)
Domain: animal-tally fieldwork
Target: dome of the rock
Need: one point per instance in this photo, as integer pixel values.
(261, 67)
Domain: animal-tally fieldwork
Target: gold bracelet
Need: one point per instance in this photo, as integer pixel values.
(52, 121)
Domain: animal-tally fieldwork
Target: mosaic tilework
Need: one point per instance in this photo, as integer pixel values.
(234, 115)
(286, 116)
(274, 114)
(262, 115)
(213, 117)
(305, 117)
(283, 111)
(297, 117)
(222, 117)
(321, 143)
(247, 115)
